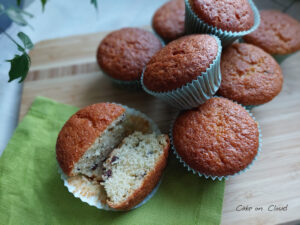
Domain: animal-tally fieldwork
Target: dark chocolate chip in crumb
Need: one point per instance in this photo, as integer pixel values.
(150, 153)
(104, 159)
(94, 167)
(114, 158)
(108, 173)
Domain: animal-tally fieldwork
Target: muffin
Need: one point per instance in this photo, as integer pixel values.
(168, 20)
(97, 143)
(227, 19)
(227, 15)
(250, 76)
(217, 139)
(88, 137)
(138, 162)
(277, 34)
(185, 73)
(122, 54)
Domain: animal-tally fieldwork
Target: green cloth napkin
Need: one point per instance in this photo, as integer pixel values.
(32, 192)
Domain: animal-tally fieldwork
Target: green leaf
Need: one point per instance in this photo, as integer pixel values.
(95, 3)
(20, 48)
(26, 40)
(43, 4)
(19, 2)
(16, 16)
(19, 67)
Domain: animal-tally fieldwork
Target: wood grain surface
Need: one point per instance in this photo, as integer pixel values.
(66, 70)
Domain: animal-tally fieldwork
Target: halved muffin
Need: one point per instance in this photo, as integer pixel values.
(134, 168)
(87, 147)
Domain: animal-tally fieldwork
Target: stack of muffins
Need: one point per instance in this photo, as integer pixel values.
(214, 61)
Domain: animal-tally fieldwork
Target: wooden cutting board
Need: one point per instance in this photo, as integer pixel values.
(66, 70)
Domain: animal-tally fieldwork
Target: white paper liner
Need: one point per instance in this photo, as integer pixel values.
(206, 175)
(92, 193)
(197, 91)
(132, 85)
(281, 58)
(193, 24)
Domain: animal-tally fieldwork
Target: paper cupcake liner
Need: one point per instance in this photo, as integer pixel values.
(132, 85)
(281, 58)
(193, 24)
(163, 40)
(197, 91)
(92, 193)
(250, 107)
(206, 175)
(85, 191)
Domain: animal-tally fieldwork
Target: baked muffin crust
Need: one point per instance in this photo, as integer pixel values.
(168, 20)
(122, 54)
(81, 131)
(278, 33)
(180, 62)
(250, 76)
(229, 15)
(218, 138)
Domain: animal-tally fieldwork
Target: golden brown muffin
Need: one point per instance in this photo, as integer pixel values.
(168, 20)
(229, 15)
(180, 62)
(250, 76)
(219, 138)
(80, 132)
(278, 33)
(122, 54)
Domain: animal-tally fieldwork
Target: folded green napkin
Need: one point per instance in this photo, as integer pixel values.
(31, 191)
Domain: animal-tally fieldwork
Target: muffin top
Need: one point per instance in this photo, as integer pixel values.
(81, 131)
(122, 54)
(180, 62)
(278, 33)
(250, 76)
(168, 20)
(218, 138)
(229, 15)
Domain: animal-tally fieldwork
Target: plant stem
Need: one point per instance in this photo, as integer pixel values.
(10, 37)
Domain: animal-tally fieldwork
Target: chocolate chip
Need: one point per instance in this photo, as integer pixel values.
(94, 167)
(150, 153)
(108, 173)
(114, 158)
(104, 160)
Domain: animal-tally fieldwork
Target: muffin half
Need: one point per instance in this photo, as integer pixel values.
(103, 136)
